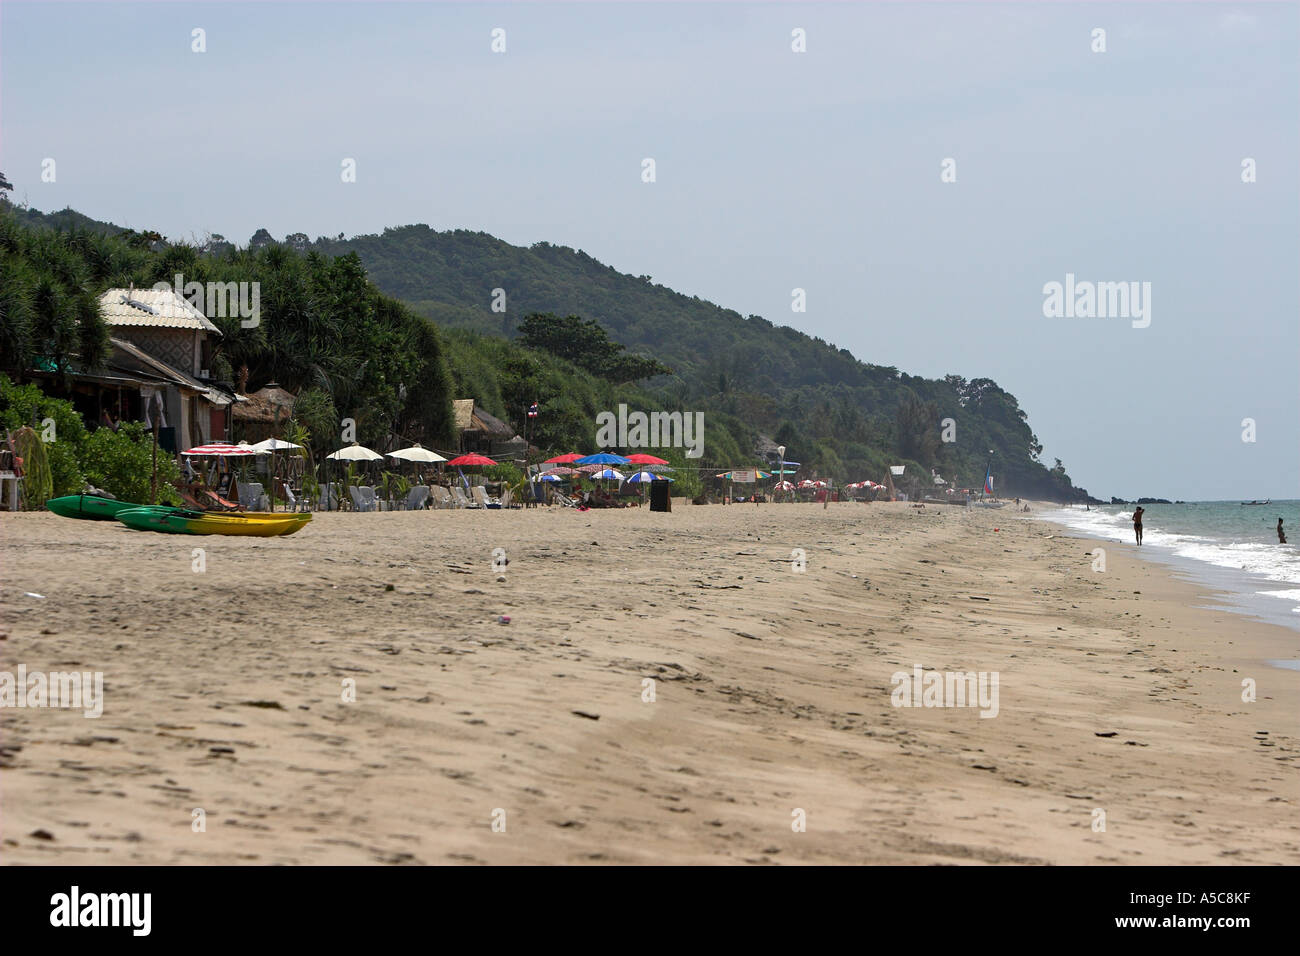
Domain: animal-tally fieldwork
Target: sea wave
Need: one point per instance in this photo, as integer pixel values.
(1262, 563)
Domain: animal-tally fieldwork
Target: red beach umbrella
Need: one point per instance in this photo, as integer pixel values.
(470, 460)
(562, 459)
(645, 460)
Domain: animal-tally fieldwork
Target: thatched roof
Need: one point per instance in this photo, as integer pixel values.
(268, 405)
(464, 411)
(469, 417)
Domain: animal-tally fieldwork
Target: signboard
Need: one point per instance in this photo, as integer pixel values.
(744, 476)
(897, 469)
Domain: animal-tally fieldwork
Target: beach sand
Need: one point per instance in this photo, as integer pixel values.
(223, 692)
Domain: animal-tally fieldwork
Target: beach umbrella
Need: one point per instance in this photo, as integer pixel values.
(601, 458)
(471, 459)
(590, 469)
(784, 486)
(269, 445)
(221, 449)
(644, 478)
(416, 452)
(562, 470)
(353, 452)
(640, 459)
(609, 473)
(657, 469)
(550, 476)
(563, 459)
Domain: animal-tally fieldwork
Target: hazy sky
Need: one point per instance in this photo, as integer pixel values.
(775, 170)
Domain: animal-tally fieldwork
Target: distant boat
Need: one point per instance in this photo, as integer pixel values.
(1266, 501)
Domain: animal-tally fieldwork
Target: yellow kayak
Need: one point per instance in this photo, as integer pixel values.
(183, 521)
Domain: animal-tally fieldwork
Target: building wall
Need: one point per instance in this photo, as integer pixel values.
(179, 348)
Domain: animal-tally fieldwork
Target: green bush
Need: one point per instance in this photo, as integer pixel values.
(37, 485)
(121, 463)
(65, 471)
(56, 421)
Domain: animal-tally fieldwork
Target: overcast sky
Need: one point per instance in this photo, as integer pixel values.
(775, 170)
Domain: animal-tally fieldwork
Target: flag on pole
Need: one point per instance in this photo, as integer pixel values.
(532, 410)
(988, 483)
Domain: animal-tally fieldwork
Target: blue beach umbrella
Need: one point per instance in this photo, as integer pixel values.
(602, 458)
(644, 476)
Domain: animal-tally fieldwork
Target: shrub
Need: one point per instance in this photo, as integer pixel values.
(121, 463)
(37, 485)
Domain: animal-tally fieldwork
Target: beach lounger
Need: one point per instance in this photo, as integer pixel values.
(505, 498)
(481, 498)
(564, 499)
(458, 495)
(441, 497)
(363, 498)
(416, 498)
(329, 498)
(216, 502)
(252, 496)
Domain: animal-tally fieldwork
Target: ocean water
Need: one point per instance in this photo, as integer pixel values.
(1224, 544)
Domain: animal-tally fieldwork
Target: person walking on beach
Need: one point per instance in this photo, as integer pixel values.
(1137, 523)
(1281, 535)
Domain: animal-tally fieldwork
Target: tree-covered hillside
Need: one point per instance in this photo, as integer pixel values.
(846, 417)
(333, 328)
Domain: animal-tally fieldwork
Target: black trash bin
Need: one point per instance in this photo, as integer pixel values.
(661, 496)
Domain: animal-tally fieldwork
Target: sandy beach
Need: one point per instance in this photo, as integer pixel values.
(223, 691)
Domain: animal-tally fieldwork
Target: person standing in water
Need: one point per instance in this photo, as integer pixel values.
(1281, 535)
(1137, 523)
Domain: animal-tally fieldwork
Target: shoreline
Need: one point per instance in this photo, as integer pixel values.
(772, 694)
(1237, 590)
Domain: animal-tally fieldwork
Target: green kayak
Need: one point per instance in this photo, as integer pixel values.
(155, 518)
(89, 506)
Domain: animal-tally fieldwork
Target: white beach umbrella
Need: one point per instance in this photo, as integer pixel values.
(416, 453)
(268, 445)
(354, 452)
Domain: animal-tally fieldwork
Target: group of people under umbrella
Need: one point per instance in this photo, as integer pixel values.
(600, 466)
(352, 452)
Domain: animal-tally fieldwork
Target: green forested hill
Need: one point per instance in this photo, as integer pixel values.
(848, 417)
(753, 380)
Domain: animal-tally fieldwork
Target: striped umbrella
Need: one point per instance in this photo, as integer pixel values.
(220, 448)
